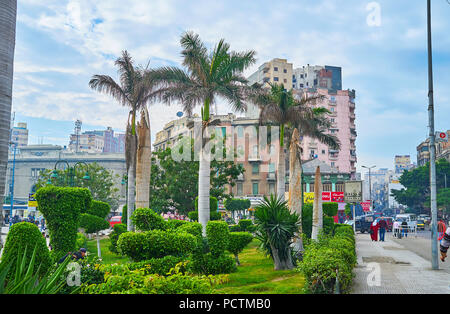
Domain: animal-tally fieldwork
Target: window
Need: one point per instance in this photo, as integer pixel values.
(275, 68)
(332, 109)
(255, 168)
(239, 189)
(271, 168)
(285, 80)
(333, 164)
(284, 71)
(271, 188)
(240, 131)
(255, 188)
(323, 151)
(301, 85)
(275, 79)
(307, 84)
(332, 120)
(333, 98)
(255, 150)
(301, 75)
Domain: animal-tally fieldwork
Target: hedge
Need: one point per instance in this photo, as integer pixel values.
(175, 223)
(207, 264)
(118, 229)
(331, 257)
(98, 208)
(145, 219)
(160, 266)
(141, 246)
(330, 209)
(217, 234)
(61, 208)
(25, 235)
(93, 224)
(237, 242)
(194, 228)
(213, 215)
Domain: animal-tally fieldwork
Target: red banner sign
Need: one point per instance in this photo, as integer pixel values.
(337, 197)
(365, 206)
(326, 196)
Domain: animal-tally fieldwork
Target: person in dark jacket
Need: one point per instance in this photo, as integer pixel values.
(404, 228)
(444, 244)
(75, 256)
(382, 225)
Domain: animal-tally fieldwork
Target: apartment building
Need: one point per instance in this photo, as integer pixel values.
(97, 141)
(19, 134)
(423, 151)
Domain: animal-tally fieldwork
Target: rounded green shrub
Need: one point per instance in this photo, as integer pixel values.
(213, 215)
(92, 223)
(217, 234)
(61, 208)
(245, 224)
(145, 219)
(118, 229)
(175, 223)
(212, 203)
(330, 209)
(25, 235)
(194, 228)
(81, 240)
(160, 266)
(237, 242)
(141, 246)
(208, 264)
(98, 208)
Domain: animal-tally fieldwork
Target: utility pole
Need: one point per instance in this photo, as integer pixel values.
(434, 238)
(370, 186)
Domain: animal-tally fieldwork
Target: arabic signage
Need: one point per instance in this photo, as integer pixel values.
(365, 206)
(353, 191)
(32, 200)
(336, 197)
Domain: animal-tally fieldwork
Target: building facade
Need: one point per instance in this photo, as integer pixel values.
(33, 159)
(442, 151)
(97, 141)
(19, 134)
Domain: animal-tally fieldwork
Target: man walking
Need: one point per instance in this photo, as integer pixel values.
(382, 225)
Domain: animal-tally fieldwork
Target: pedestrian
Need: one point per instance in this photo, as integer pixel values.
(374, 231)
(444, 244)
(404, 226)
(75, 255)
(395, 228)
(382, 225)
(441, 228)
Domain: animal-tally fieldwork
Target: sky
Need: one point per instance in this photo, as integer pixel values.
(380, 45)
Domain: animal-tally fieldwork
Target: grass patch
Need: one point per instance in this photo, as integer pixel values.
(257, 275)
(107, 256)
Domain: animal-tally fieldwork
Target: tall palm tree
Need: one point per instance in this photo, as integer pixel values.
(207, 77)
(134, 91)
(8, 14)
(280, 107)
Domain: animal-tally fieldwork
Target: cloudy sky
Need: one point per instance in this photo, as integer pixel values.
(61, 44)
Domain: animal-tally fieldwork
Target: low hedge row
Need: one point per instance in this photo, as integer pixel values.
(333, 256)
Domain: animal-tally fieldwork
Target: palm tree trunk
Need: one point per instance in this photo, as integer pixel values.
(317, 222)
(295, 187)
(143, 166)
(99, 252)
(8, 14)
(204, 173)
(281, 173)
(280, 264)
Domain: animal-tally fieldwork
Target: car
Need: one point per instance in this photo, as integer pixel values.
(115, 220)
(420, 224)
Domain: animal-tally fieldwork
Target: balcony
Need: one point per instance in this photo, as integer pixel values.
(352, 115)
(333, 157)
(240, 177)
(312, 145)
(271, 176)
(254, 158)
(353, 158)
(351, 105)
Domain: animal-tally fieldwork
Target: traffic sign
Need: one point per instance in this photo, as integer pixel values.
(441, 137)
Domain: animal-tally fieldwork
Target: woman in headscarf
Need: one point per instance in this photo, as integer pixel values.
(374, 231)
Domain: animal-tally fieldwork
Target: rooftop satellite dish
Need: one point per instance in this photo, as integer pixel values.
(179, 114)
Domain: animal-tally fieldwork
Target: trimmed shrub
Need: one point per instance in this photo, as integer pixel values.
(61, 207)
(207, 264)
(145, 219)
(244, 224)
(213, 215)
(160, 266)
(124, 214)
(98, 208)
(118, 229)
(328, 225)
(25, 235)
(234, 228)
(81, 240)
(217, 234)
(213, 203)
(141, 246)
(237, 242)
(175, 223)
(92, 223)
(194, 228)
(330, 209)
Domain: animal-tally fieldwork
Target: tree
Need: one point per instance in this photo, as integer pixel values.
(8, 13)
(280, 107)
(275, 228)
(207, 77)
(134, 91)
(100, 184)
(94, 224)
(317, 222)
(416, 193)
(174, 184)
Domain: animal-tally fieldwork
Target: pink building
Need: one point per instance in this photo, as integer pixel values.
(341, 103)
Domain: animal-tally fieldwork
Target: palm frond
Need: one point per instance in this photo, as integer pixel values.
(106, 84)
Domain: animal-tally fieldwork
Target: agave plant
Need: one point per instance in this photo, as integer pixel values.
(276, 227)
(28, 281)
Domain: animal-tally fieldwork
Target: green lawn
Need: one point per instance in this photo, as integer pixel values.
(107, 256)
(257, 275)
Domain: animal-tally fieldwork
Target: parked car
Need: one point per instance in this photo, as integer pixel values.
(362, 223)
(115, 220)
(420, 224)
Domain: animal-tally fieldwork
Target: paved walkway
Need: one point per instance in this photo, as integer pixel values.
(401, 271)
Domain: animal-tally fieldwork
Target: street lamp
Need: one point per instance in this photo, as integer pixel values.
(71, 172)
(12, 183)
(125, 182)
(370, 186)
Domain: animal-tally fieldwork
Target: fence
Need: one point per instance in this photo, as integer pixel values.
(401, 231)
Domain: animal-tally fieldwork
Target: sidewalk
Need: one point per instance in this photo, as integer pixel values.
(401, 270)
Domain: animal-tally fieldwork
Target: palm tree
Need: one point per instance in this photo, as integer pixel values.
(279, 107)
(8, 14)
(206, 78)
(134, 91)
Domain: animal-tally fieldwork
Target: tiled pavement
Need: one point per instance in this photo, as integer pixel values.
(401, 270)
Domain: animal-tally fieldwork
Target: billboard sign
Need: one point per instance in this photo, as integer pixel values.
(337, 197)
(365, 206)
(353, 191)
(32, 200)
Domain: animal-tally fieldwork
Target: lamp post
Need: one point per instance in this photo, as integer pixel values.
(71, 172)
(370, 186)
(125, 182)
(12, 184)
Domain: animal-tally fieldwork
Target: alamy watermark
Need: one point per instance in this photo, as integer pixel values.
(374, 17)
